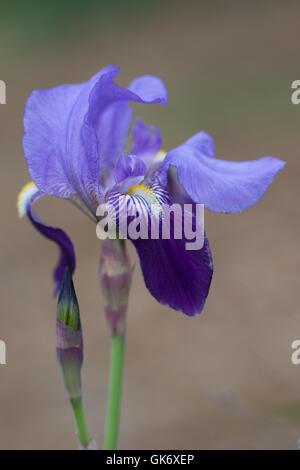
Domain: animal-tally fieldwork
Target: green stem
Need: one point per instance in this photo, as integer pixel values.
(114, 392)
(80, 421)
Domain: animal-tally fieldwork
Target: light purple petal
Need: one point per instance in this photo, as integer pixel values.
(129, 171)
(203, 143)
(112, 130)
(149, 89)
(52, 144)
(222, 186)
(74, 133)
(146, 141)
(110, 113)
(129, 165)
(109, 116)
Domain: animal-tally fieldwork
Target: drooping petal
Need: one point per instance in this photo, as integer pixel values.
(146, 141)
(222, 186)
(203, 142)
(175, 276)
(26, 199)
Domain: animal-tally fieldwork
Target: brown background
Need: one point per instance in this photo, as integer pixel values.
(223, 379)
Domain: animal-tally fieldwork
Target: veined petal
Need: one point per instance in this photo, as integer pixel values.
(56, 160)
(137, 204)
(175, 275)
(129, 165)
(146, 141)
(222, 186)
(28, 195)
(129, 171)
(44, 142)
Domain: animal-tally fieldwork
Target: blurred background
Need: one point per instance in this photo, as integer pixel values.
(222, 380)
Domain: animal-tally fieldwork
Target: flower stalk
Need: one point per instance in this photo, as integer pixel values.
(115, 280)
(115, 390)
(80, 422)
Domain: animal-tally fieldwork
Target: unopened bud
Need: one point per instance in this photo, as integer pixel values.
(69, 344)
(115, 279)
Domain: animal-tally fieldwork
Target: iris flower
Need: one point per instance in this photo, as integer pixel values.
(74, 144)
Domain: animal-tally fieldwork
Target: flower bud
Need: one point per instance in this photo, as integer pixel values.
(69, 344)
(115, 279)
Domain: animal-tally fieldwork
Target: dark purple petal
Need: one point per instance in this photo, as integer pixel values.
(146, 141)
(222, 186)
(175, 276)
(28, 196)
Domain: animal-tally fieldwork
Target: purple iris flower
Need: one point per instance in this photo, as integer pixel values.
(74, 144)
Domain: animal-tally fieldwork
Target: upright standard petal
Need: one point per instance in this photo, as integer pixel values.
(26, 199)
(129, 171)
(146, 141)
(74, 133)
(52, 145)
(107, 122)
(149, 89)
(222, 186)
